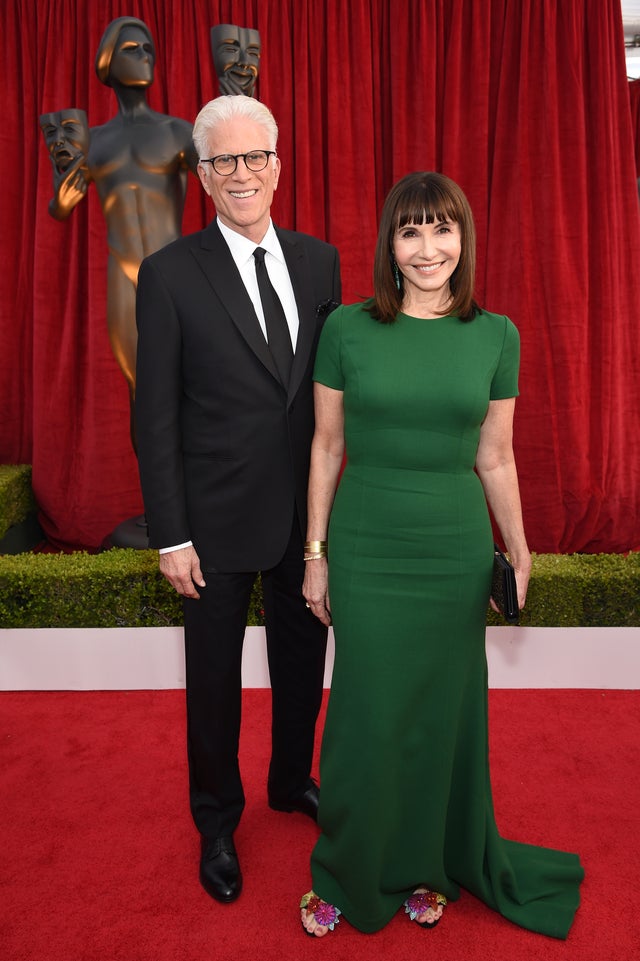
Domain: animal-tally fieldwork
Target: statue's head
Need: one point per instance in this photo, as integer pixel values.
(66, 134)
(127, 54)
(236, 57)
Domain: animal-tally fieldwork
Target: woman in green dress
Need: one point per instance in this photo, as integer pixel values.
(418, 386)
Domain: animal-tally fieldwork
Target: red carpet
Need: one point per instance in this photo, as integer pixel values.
(98, 856)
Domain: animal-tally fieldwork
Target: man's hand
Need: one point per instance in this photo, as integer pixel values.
(182, 570)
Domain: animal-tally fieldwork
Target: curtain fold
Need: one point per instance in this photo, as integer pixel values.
(524, 102)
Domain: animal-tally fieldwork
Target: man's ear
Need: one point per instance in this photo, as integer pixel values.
(202, 174)
(276, 166)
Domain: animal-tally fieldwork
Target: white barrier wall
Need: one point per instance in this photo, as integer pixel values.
(152, 658)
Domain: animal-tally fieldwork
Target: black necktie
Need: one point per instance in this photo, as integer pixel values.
(277, 327)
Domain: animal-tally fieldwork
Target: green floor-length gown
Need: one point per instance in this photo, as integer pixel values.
(405, 788)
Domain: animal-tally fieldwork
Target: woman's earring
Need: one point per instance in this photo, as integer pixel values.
(396, 276)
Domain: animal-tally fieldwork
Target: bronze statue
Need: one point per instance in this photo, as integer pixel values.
(236, 57)
(139, 162)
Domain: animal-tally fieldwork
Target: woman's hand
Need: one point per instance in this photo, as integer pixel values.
(316, 589)
(523, 572)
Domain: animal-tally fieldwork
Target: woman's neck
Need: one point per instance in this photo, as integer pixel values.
(427, 306)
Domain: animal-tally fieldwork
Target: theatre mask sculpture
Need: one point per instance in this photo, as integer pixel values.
(236, 57)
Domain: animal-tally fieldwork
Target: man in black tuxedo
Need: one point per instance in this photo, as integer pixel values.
(224, 415)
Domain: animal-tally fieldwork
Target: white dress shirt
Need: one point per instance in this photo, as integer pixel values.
(242, 253)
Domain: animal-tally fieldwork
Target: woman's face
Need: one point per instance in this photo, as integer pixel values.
(427, 255)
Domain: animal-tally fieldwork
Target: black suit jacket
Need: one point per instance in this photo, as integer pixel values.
(223, 449)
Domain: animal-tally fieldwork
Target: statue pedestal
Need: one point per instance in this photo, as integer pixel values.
(130, 533)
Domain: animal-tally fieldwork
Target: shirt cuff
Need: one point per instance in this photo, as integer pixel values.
(178, 547)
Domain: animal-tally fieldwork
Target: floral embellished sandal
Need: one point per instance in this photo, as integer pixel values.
(325, 915)
(420, 901)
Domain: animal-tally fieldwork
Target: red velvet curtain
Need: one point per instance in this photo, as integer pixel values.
(524, 102)
(634, 95)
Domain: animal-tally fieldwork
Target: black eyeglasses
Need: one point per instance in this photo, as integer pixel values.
(226, 163)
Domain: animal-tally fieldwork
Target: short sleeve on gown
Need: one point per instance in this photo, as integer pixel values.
(328, 366)
(505, 380)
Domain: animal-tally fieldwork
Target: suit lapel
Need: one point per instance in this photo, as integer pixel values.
(218, 266)
(300, 274)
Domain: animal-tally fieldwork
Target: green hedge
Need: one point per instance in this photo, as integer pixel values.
(16, 497)
(118, 588)
(123, 588)
(582, 590)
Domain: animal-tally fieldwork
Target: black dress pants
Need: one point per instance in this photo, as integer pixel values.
(296, 647)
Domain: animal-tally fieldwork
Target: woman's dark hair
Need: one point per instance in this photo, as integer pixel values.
(423, 198)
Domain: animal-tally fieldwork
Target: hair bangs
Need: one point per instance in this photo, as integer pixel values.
(425, 203)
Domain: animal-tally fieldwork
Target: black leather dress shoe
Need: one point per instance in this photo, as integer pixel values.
(220, 873)
(306, 802)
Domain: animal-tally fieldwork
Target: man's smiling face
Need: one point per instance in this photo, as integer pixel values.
(242, 199)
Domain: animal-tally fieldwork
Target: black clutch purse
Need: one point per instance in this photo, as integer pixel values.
(503, 587)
